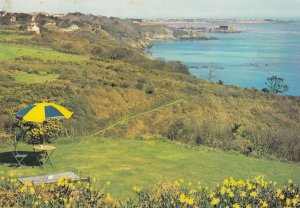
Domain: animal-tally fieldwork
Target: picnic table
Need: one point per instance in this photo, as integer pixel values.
(45, 151)
(52, 178)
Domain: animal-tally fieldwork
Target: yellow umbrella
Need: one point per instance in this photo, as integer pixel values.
(40, 112)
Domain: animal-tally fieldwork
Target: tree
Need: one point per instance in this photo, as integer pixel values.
(275, 85)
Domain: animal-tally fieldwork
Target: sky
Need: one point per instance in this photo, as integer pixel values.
(162, 8)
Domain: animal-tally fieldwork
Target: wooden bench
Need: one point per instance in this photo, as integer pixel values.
(52, 178)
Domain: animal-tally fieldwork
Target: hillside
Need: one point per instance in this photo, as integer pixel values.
(101, 75)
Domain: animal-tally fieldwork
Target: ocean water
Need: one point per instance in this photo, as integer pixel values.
(244, 59)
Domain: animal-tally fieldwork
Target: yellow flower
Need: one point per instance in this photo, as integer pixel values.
(177, 183)
(10, 174)
(288, 202)
(290, 181)
(107, 183)
(212, 194)
(249, 186)
(60, 182)
(278, 192)
(243, 194)
(281, 196)
(226, 182)
(68, 205)
(27, 183)
(192, 191)
(23, 189)
(248, 206)
(253, 194)
(189, 183)
(231, 194)
(236, 205)
(136, 189)
(108, 197)
(181, 181)
(94, 180)
(46, 201)
(215, 201)
(182, 198)
(295, 201)
(189, 200)
(264, 204)
(31, 190)
(223, 190)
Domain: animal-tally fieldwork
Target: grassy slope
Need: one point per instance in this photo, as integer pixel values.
(23, 77)
(11, 51)
(143, 163)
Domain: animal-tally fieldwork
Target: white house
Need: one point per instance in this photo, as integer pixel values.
(34, 28)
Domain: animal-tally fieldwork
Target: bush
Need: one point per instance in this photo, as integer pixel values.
(139, 86)
(35, 133)
(149, 90)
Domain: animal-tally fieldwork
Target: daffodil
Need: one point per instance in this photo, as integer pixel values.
(231, 194)
(215, 201)
(189, 200)
(290, 181)
(32, 190)
(243, 194)
(223, 190)
(182, 198)
(108, 197)
(235, 205)
(264, 204)
(281, 196)
(295, 201)
(288, 202)
(253, 194)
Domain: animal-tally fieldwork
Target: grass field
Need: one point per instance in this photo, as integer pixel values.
(127, 163)
(11, 51)
(23, 77)
(12, 37)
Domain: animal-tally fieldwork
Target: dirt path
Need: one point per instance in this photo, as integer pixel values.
(136, 116)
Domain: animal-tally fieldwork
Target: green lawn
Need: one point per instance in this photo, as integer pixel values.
(12, 37)
(11, 51)
(128, 163)
(23, 77)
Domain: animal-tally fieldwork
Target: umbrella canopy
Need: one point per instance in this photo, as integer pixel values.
(40, 112)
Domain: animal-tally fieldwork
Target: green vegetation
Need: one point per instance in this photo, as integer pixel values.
(26, 78)
(68, 193)
(276, 85)
(11, 51)
(95, 72)
(133, 162)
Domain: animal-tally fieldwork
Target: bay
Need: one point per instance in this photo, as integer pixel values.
(244, 59)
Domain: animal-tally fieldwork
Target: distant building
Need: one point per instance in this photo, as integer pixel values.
(34, 28)
(73, 27)
(13, 19)
(224, 27)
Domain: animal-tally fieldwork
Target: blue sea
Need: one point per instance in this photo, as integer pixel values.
(244, 59)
